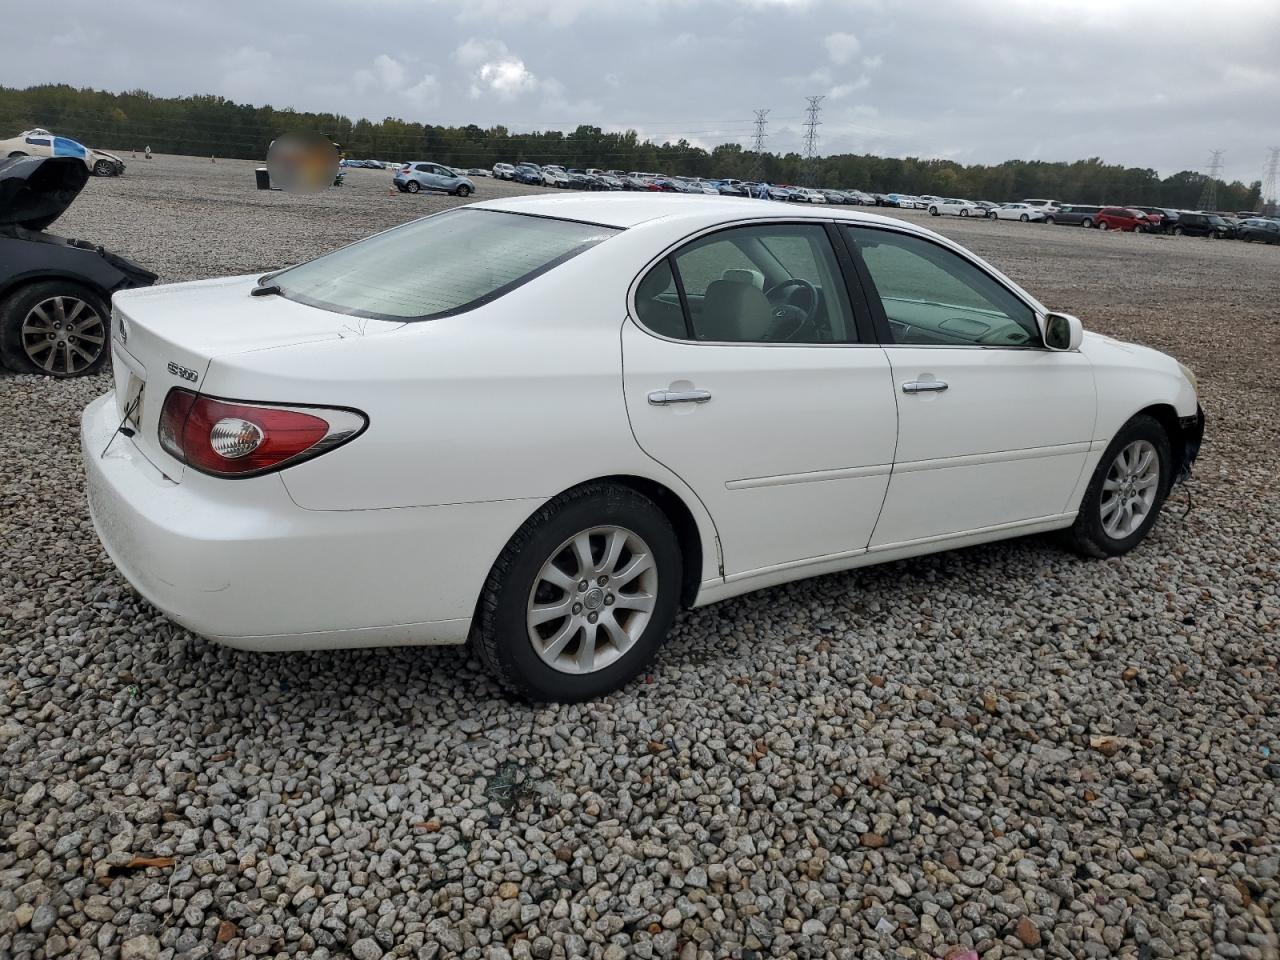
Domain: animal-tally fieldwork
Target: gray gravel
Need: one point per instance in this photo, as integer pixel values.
(1005, 748)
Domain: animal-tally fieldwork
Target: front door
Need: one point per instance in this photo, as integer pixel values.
(745, 375)
(993, 428)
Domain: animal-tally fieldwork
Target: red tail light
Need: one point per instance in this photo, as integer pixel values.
(229, 438)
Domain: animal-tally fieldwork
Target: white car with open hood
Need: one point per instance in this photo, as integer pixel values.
(547, 423)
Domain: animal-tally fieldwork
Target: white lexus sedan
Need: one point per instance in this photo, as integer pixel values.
(548, 423)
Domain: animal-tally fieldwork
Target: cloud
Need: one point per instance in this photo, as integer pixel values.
(253, 75)
(494, 69)
(841, 47)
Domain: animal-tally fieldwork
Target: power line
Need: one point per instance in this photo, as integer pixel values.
(757, 144)
(811, 125)
(1270, 198)
(1209, 192)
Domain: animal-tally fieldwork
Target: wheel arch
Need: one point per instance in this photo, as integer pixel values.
(673, 506)
(1165, 415)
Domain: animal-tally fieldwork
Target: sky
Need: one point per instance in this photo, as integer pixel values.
(1150, 83)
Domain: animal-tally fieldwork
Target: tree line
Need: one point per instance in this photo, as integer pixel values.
(206, 125)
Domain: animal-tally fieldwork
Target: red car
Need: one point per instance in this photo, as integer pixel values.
(1126, 218)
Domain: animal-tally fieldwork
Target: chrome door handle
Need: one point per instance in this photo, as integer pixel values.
(660, 398)
(924, 386)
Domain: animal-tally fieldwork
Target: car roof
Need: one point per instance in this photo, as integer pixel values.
(629, 210)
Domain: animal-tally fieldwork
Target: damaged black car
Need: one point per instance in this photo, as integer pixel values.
(55, 293)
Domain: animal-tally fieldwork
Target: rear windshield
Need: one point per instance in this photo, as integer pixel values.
(438, 266)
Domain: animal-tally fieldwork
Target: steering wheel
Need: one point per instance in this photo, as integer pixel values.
(788, 318)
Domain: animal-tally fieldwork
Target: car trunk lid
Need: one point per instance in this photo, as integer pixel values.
(166, 337)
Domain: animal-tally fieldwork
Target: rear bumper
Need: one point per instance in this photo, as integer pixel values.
(239, 562)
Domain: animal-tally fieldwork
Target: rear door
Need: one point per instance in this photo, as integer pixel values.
(745, 375)
(993, 428)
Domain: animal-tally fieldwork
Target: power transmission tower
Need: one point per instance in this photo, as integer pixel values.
(757, 144)
(811, 139)
(1270, 198)
(1209, 192)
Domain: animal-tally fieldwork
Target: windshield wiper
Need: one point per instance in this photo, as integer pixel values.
(265, 289)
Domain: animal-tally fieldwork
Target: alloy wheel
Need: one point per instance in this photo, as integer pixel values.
(1130, 488)
(63, 336)
(592, 599)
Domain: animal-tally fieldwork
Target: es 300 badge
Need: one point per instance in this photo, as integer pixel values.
(186, 373)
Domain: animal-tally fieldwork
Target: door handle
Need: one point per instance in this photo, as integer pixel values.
(924, 386)
(660, 398)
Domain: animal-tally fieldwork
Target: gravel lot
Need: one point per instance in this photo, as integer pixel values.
(1006, 748)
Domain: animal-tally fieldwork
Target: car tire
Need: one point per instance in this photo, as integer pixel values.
(991, 215)
(16, 154)
(544, 546)
(1178, 231)
(1087, 223)
(1102, 225)
(964, 213)
(413, 186)
(18, 318)
(104, 168)
(462, 191)
(1097, 531)
(1025, 218)
(933, 212)
(1050, 221)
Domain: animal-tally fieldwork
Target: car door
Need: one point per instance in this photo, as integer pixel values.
(993, 428)
(745, 373)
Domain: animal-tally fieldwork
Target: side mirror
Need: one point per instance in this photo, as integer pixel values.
(1062, 331)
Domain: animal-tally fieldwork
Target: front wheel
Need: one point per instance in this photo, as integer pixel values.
(413, 186)
(104, 168)
(581, 597)
(1049, 220)
(933, 212)
(992, 216)
(56, 328)
(1127, 490)
(463, 191)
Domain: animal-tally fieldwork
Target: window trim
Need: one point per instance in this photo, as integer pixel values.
(875, 304)
(863, 326)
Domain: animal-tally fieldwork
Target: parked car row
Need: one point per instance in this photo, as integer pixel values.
(1146, 219)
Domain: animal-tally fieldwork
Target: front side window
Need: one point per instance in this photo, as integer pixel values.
(934, 297)
(775, 283)
(440, 265)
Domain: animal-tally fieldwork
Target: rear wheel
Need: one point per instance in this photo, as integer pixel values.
(1087, 222)
(15, 154)
(56, 328)
(1126, 492)
(413, 186)
(1024, 218)
(964, 213)
(582, 596)
(1102, 225)
(1178, 231)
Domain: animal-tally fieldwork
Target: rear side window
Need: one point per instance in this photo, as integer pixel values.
(438, 266)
